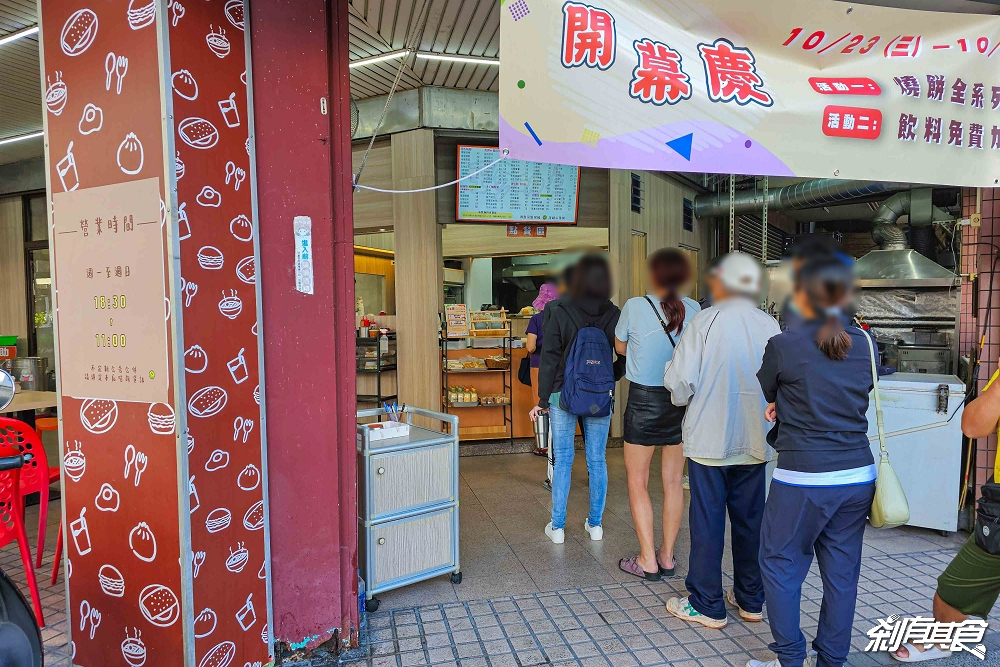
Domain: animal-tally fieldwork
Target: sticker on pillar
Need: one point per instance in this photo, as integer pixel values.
(302, 228)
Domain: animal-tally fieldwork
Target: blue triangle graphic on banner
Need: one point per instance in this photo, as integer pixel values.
(682, 145)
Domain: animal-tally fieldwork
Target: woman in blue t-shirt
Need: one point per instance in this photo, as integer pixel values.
(647, 331)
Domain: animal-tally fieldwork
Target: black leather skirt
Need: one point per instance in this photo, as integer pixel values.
(650, 418)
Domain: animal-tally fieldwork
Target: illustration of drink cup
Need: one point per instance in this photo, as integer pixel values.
(229, 112)
(81, 534)
(246, 616)
(66, 169)
(238, 368)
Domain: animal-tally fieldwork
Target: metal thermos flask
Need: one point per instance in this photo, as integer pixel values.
(542, 430)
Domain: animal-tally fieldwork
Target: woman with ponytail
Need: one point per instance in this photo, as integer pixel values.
(647, 332)
(816, 378)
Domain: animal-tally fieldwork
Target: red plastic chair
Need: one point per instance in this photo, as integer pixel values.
(36, 475)
(12, 524)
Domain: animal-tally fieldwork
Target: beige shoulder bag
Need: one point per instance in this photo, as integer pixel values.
(889, 508)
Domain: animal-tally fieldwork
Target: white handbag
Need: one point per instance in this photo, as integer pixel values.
(889, 507)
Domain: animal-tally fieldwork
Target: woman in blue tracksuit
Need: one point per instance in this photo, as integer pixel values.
(816, 378)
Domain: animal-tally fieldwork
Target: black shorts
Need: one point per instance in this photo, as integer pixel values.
(650, 418)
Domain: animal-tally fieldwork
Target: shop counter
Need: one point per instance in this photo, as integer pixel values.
(32, 400)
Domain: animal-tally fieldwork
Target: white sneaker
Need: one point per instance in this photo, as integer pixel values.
(682, 609)
(748, 616)
(596, 532)
(810, 661)
(557, 535)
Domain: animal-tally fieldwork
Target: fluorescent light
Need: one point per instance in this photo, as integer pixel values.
(476, 60)
(10, 140)
(24, 32)
(402, 53)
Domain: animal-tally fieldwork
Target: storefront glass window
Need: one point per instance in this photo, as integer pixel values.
(38, 220)
(41, 276)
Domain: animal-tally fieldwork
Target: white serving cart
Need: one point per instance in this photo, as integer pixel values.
(407, 500)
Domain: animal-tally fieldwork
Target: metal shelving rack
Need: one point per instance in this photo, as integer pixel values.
(506, 337)
(384, 363)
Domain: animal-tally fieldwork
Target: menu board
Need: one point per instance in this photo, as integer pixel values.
(108, 248)
(457, 321)
(515, 190)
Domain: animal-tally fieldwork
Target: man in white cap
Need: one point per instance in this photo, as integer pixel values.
(713, 372)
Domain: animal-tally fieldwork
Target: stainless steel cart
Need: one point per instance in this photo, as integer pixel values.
(407, 503)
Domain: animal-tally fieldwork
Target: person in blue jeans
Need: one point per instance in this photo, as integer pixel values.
(816, 378)
(588, 302)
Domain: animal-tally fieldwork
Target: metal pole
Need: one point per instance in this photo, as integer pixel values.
(763, 238)
(732, 212)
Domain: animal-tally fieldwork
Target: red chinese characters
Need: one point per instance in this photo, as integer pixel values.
(658, 77)
(852, 122)
(844, 86)
(588, 36)
(732, 74)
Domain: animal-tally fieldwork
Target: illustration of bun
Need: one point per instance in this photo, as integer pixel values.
(218, 42)
(209, 196)
(246, 270)
(98, 415)
(195, 359)
(218, 519)
(161, 418)
(56, 95)
(159, 605)
(241, 228)
(184, 84)
(249, 478)
(210, 257)
(221, 655)
(230, 305)
(198, 133)
(78, 32)
(254, 518)
(130, 154)
(207, 401)
(111, 581)
(204, 623)
(234, 12)
(141, 15)
(142, 542)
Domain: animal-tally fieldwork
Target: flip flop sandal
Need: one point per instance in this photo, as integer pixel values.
(666, 571)
(631, 566)
(933, 653)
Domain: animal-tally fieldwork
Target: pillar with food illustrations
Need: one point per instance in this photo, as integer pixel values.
(149, 153)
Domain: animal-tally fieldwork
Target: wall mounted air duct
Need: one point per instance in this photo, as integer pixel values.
(808, 194)
(917, 205)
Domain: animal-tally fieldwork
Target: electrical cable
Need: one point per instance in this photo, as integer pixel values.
(435, 187)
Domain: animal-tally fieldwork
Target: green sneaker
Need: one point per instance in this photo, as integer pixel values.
(682, 609)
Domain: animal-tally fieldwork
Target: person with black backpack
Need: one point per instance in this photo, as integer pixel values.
(576, 378)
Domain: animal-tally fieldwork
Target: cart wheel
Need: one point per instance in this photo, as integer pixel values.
(456, 578)
(371, 606)
(944, 533)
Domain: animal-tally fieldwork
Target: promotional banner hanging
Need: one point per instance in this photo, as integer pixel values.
(808, 88)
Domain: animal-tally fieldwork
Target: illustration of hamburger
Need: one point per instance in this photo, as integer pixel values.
(218, 519)
(79, 32)
(98, 415)
(198, 133)
(111, 581)
(210, 257)
(55, 95)
(159, 605)
(161, 418)
(230, 305)
(207, 401)
(75, 462)
(254, 518)
(141, 13)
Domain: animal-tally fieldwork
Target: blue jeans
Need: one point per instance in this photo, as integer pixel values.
(595, 435)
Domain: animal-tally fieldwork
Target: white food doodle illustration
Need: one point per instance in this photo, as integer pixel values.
(218, 519)
(176, 12)
(207, 401)
(141, 13)
(111, 581)
(247, 615)
(110, 63)
(254, 517)
(249, 478)
(237, 558)
(121, 69)
(230, 305)
(166, 309)
(256, 394)
(234, 12)
(230, 114)
(66, 170)
(75, 461)
(241, 228)
(130, 155)
(79, 32)
(133, 649)
(221, 655)
(56, 95)
(246, 270)
(195, 359)
(142, 542)
(211, 258)
(193, 499)
(80, 532)
(107, 499)
(161, 418)
(262, 572)
(190, 443)
(204, 623)
(217, 42)
(210, 197)
(89, 615)
(218, 460)
(98, 415)
(235, 174)
(183, 224)
(197, 560)
(135, 461)
(242, 428)
(198, 133)
(115, 67)
(179, 167)
(184, 84)
(253, 329)
(190, 289)
(238, 368)
(92, 119)
(159, 605)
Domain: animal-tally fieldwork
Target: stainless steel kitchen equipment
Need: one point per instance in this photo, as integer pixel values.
(407, 501)
(29, 372)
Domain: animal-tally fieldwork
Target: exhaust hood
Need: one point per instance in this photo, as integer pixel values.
(901, 268)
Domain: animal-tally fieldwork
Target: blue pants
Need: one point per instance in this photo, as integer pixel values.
(713, 490)
(800, 520)
(595, 437)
